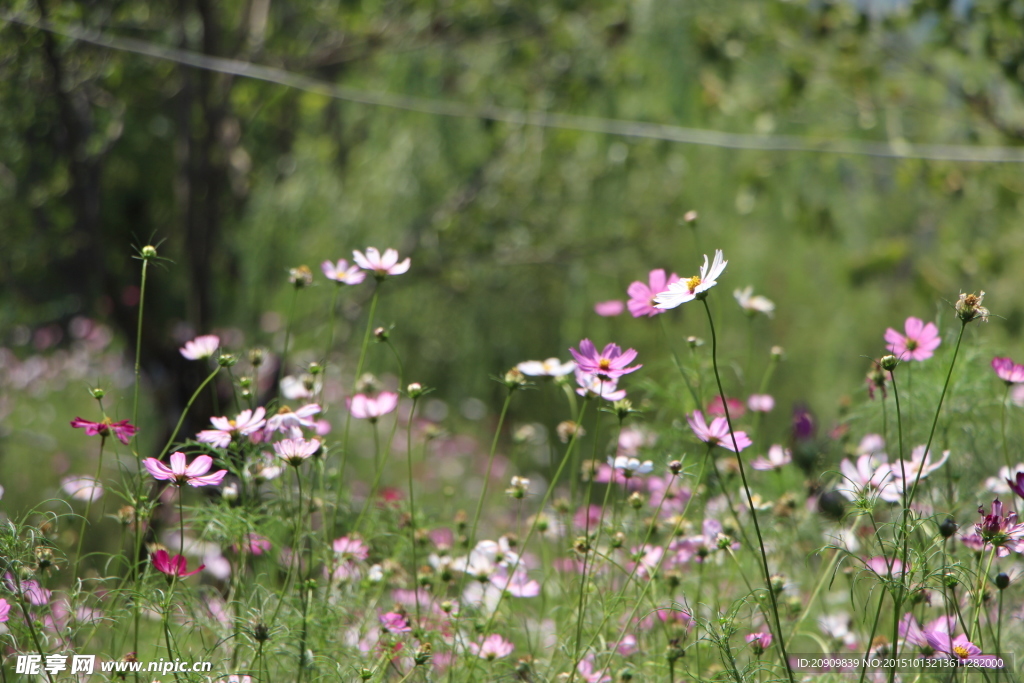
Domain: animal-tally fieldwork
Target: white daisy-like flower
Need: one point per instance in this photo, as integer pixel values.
(552, 367)
(691, 288)
(753, 303)
(200, 347)
(630, 465)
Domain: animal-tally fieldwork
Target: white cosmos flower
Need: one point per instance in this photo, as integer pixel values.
(630, 465)
(688, 289)
(552, 367)
(753, 303)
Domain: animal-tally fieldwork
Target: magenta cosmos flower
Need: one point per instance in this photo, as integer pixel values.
(1008, 371)
(961, 649)
(641, 295)
(382, 266)
(178, 473)
(610, 363)
(717, 434)
(173, 566)
(122, 430)
(5, 608)
(200, 347)
(371, 408)
(342, 273)
(691, 288)
(919, 343)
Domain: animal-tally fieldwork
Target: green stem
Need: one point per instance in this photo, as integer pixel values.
(330, 343)
(750, 502)
(181, 419)
(281, 370)
(982, 580)
(490, 464)
(412, 509)
(88, 508)
(138, 342)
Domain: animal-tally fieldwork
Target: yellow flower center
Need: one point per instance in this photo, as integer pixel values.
(604, 364)
(232, 423)
(961, 651)
(693, 282)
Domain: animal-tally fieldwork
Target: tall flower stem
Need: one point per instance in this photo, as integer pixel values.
(188, 406)
(529, 534)
(900, 593)
(750, 502)
(138, 335)
(412, 507)
(88, 508)
(282, 369)
(979, 603)
(490, 464)
(348, 416)
(330, 342)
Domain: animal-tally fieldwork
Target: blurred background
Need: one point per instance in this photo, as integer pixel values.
(858, 161)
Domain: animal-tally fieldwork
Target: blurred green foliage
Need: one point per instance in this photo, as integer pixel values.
(515, 230)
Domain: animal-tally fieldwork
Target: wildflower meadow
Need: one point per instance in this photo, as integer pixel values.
(492, 341)
(667, 521)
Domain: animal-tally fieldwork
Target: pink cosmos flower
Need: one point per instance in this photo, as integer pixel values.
(247, 422)
(592, 385)
(342, 272)
(178, 473)
(692, 288)
(1016, 485)
(759, 642)
(960, 648)
(287, 418)
(492, 647)
(919, 343)
(394, 622)
(610, 363)
(641, 295)
(777, 457)
(736, 407)
(609, 309)
(589, 674)
(255, 544)
(173, 566)
(913, 634)
(1008, 371)
(122, 430)
(351, 549)
(371, 408)
(761, 403)
(5, 609)
(296, 451)
(905, 474)
(718, 433)
(33, 592)
(382, 266)
(200, 347)
(885, 567)
(82, 488)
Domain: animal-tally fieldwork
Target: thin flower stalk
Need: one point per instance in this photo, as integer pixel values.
(750, 502)
(281, 370)
(533, 527)
(490, 464)
(88, 509)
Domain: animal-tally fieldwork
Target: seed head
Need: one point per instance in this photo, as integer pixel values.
(969, 308)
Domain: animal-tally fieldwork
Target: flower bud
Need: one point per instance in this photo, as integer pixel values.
(623, 408)
(381, 334)
(226, 360)
(675, 467)
(148, 252)
(690, 218)
(315, 368)
(1002, 580)
(777, 352)
(889, 362)
(514, 379)
(694, 342)
(97, 393)
(636, 500)
(948, 527)
(415, 390)
(256, 357)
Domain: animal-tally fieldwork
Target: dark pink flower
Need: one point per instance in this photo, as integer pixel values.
(1017, 486)
(179, 473)
(760, 642)
(718, 433)
(610, 363)
(122, 430)
(999, 530)
(641, 295)
(609, 309)
(5, 609)
(1008, 371)
(173, 566)
(919, 343)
